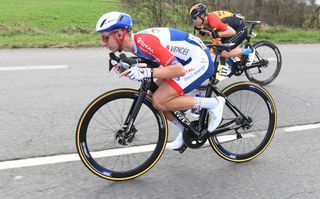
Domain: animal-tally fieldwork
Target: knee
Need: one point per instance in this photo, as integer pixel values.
(226, 54)
(158, 104)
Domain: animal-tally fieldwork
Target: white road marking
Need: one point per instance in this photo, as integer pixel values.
(38, 161)
(18, 177)
(272, 59)
(40, 67)
(114, 152)
(302, 127)
(228, 138)
(72, 157)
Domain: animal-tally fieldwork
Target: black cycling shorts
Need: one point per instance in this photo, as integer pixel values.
(237, 38)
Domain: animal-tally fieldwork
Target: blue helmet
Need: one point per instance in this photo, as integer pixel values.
(113, 20)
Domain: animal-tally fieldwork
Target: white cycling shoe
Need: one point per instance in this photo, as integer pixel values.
(177, 143)
(251, 57)
(215, 114)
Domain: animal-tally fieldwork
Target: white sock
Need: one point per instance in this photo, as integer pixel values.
(204, 102)
(177, 124)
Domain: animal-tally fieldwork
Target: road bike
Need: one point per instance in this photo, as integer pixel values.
(121, 136)
(266, 64)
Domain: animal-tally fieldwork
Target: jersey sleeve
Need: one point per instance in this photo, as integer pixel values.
(216, 23)
(151, 46)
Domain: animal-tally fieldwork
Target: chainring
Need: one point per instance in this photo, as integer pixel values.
(190, 140)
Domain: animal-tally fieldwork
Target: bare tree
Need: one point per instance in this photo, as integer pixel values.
(314, 14)
(174, 13)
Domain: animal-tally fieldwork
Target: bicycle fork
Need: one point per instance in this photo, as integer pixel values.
(128, 131)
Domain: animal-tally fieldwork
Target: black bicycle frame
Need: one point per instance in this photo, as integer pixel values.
(137, 103)
(202, 123)
(148, 85)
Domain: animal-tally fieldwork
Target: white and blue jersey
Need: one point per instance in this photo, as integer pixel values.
(168, 46)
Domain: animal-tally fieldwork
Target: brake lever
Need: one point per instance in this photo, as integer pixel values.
(123, 66)
(113, 57)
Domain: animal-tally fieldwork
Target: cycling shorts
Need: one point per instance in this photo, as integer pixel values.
(237, 38)
(198, 70)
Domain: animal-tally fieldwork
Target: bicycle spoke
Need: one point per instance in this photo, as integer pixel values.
(255, 131)
(118, 152)
(266, 65)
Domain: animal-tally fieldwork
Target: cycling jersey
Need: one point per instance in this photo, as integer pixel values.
(220, 24)
(215, 23)
(168, 46)
(223, 13)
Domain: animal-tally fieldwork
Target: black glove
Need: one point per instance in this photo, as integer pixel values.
(215, 34)
(197, 30)
(202, 33)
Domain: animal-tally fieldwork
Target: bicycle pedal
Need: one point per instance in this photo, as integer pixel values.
(182, 148)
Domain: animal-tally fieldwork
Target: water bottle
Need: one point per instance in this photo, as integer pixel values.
(196, 111)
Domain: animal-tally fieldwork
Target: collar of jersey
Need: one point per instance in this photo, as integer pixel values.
(135, 48)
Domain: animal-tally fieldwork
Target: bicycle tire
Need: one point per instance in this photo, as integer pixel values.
(266, 74)
(252, 143)
(114, 163)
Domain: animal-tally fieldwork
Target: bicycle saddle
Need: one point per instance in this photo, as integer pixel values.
(221, 47)
(252, 22)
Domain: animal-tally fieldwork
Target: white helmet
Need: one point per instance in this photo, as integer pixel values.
(112, 20)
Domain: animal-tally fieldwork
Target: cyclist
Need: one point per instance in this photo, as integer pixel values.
(184, 62)
(230, 29)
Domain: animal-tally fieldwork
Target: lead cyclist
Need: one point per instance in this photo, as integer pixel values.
(184, 63)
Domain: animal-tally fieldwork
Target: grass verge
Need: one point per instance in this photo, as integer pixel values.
(71, 23)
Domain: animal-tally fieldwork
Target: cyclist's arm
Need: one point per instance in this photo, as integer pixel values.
(171, 71)
(229, 32)
(170, 66)
(224, 30)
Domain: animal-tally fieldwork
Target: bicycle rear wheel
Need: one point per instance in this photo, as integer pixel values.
(101, 126)
(246, 141)
(267, 63)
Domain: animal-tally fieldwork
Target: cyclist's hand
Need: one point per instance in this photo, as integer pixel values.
(137, 73)
(121, 66)
(215, 34)
(199, 31)
(202, 33)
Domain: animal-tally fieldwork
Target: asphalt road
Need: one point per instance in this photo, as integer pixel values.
(39, 111)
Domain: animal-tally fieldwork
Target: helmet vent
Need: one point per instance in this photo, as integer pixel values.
(102, 23)
(121, 18)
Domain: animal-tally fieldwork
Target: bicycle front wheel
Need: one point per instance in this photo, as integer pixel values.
(266, 65)
(245, 142)
(103, 123)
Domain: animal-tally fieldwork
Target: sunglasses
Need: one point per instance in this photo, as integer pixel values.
(106, 35)
(194, 17)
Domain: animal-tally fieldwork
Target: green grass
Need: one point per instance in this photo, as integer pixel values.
(46, 23)
(71, 23)
(289, 35)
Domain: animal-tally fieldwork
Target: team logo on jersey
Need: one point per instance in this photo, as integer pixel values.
(155, 31)
(143, 45)
(194, 74)
(203, 60)
(189, 70)
(178, 49)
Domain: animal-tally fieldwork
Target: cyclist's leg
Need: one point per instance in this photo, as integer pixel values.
(169, 116)
(178, 142)
(237, 39)
(166, 99)
(233, 53)
(170, 94)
